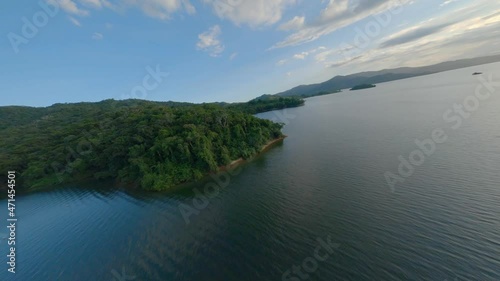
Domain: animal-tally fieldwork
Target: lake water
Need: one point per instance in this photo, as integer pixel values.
(326, 181)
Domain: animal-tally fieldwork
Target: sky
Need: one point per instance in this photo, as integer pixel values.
(58, 51)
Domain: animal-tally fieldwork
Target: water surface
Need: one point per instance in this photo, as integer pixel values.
(325, 180)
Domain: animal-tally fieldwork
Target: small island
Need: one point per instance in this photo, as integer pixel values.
(477, 73)
(363, 86)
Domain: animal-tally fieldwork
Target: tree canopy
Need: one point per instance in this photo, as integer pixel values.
(153, 144)
(267, 103)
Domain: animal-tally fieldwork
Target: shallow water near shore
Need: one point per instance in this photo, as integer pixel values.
(325, 181)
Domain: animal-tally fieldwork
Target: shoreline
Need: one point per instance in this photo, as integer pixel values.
(231, 166)
(240, 161)
(271, 143)
(134, 186)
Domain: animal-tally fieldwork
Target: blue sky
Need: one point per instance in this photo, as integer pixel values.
(223, 50)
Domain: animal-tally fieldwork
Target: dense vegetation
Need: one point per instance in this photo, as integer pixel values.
(362, 86)
(267, 103)
(156, 145)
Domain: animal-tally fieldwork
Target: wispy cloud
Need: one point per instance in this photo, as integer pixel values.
(75, 21)
(250, 12)
(302, 55)
(160, 9)
(414, 33)
(281, 62)
(336, 15)
(446, 2)
(344, 62)
(95, 3)
(209, 42)
(293, 24)
(97, 36)
(462, 33)
(69, 7)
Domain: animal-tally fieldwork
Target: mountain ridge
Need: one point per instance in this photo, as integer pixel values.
(341, 82)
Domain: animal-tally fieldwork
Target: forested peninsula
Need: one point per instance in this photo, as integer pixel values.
(152, 145)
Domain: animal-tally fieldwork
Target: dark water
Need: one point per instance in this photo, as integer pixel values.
(326, 181)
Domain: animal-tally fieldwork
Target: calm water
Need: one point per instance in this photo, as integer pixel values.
(325, 180)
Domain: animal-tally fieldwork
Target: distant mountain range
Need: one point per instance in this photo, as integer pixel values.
(373, 77)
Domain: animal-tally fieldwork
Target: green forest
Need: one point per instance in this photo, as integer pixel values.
(267, 103)
(363, 86)
(154, 145)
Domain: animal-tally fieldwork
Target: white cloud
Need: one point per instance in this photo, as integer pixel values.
(446, 2)
(69, 7)
(93, 3)
(190, 9)
(321, 57)
(470, 31)
(97, 36)
(233, 56)
(301, 56)
(250, 12)
(344, 61)
(161, 9)
(209, 41)
(339, 14)
(293, 24)
(74, 21)
(344, 51)
(454, 23)
(281, 62)
(304, 55)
